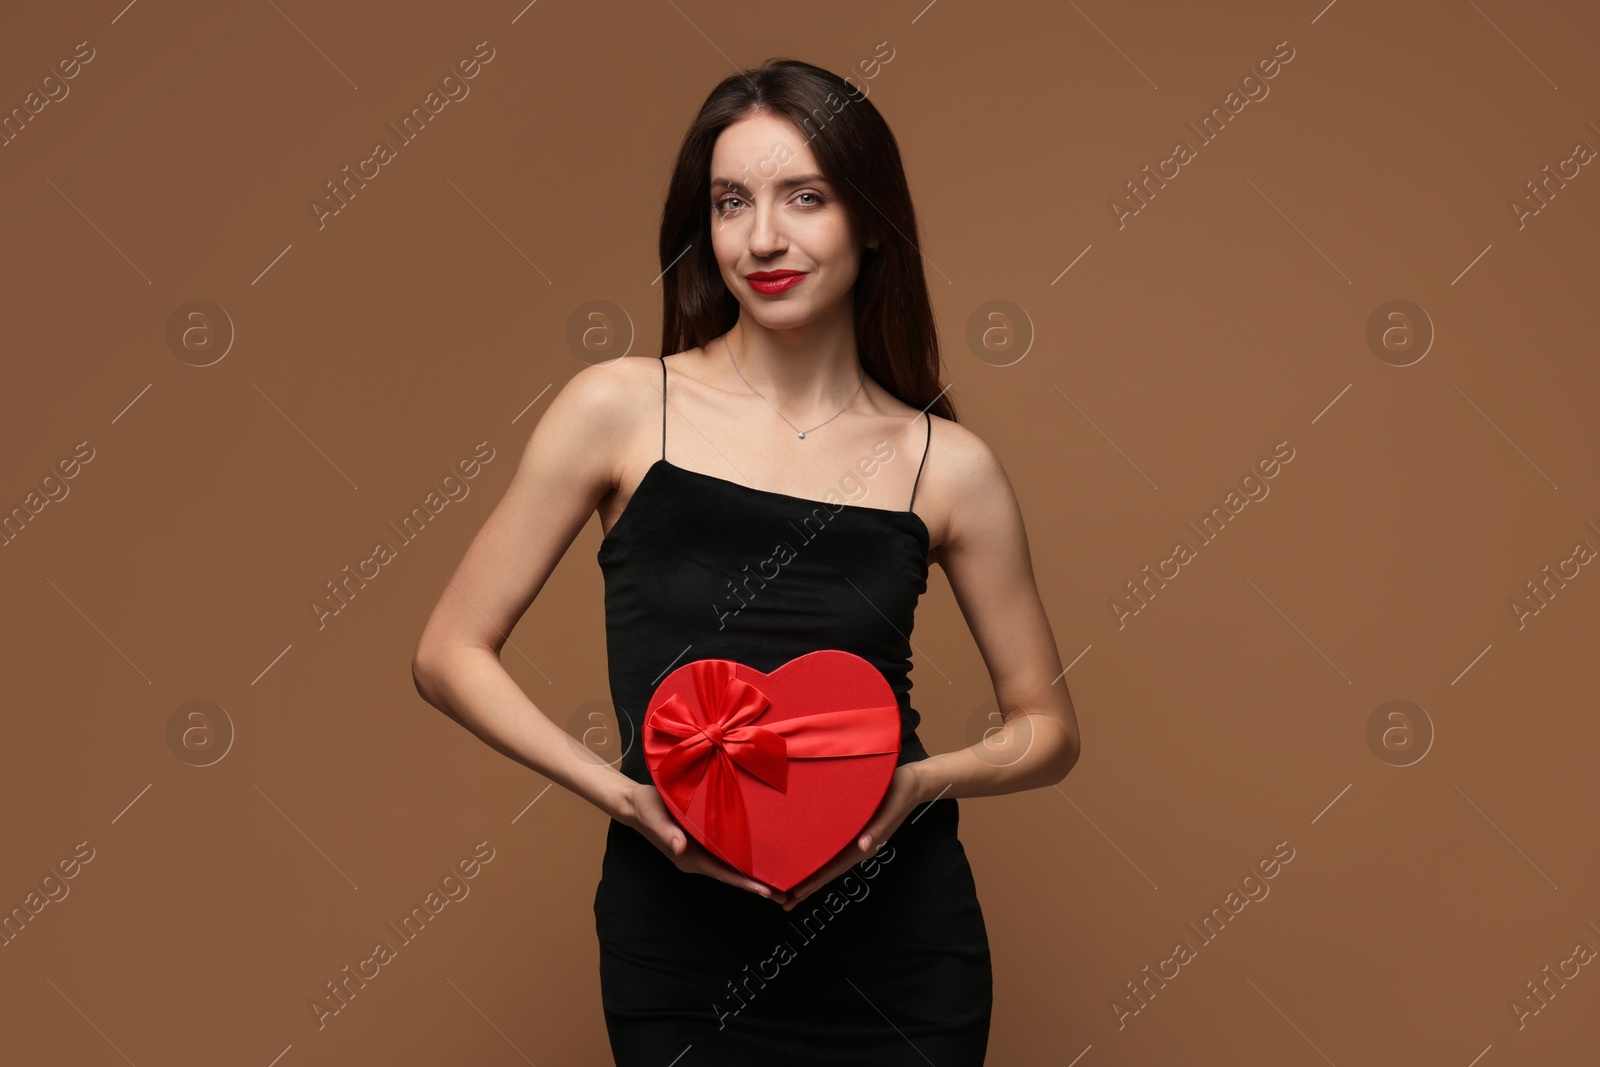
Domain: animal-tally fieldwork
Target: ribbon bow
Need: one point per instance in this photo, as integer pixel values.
(719, 738)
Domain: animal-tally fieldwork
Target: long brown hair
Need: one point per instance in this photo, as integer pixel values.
(896, 338)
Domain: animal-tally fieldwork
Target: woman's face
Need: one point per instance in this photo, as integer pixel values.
(772, 211)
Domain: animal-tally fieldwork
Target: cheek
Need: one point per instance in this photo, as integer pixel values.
(843, 268)
(724, 245)
(832, 242)
(728, 254)
(840, 245)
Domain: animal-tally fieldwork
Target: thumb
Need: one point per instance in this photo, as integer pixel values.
(669, 832)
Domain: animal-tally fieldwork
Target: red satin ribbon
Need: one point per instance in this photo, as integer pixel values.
(717, 739)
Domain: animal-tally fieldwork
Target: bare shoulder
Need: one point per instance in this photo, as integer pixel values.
(618, 391)
(965, 454)
(583, 435)
(968, 470)
(599, 408)
(964, 485)
(590, 436)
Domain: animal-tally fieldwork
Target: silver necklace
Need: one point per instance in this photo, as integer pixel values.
(781, 415)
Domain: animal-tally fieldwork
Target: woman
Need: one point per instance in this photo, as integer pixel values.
(778, 482)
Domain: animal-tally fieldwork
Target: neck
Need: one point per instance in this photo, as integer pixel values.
(805, 370)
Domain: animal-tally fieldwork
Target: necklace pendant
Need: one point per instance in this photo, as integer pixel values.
(802, 433)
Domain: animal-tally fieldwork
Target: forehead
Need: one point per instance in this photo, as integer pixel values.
(764, 141)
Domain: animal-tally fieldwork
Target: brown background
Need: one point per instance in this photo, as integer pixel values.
(364, 358)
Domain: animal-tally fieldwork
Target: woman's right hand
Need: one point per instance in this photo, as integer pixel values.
(648, 814)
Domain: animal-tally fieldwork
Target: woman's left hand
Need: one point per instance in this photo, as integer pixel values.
(904, 794)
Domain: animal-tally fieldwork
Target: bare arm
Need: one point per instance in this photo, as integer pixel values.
(568, 465)
(985, 555)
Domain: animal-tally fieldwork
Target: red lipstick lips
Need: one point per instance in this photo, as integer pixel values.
(774, 281)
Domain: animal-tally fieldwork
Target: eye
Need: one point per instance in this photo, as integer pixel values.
(818, 197)
(720, 204)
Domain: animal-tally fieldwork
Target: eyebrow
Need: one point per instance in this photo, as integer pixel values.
(781, 183)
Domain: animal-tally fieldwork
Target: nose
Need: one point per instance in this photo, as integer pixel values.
(767, 238)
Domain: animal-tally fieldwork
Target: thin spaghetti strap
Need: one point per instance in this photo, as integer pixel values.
(664, 408)
(925, 444)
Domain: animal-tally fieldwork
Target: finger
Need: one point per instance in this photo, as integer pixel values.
(873, 839)
(709, 865)
(802, 892)
(744, 881)
(670, 834)
(796, 899)
(847, 859)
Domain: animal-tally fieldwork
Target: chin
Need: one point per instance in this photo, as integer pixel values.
(787, 318)
(789, 314)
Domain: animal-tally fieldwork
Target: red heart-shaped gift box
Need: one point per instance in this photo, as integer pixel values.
(774, 773)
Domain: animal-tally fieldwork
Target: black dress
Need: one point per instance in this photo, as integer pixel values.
(889, 963)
